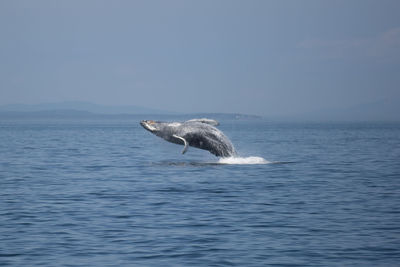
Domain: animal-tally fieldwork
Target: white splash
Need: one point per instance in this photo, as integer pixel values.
(243, 160)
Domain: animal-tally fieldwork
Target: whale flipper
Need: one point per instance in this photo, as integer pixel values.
(184, 141)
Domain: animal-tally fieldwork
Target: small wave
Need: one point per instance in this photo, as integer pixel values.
(243, 160)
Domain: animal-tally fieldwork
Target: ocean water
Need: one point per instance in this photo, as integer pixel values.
(108, 193)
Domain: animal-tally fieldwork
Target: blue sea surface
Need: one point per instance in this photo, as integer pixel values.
(106, 192)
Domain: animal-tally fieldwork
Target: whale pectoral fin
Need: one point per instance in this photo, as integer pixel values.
(184, 142)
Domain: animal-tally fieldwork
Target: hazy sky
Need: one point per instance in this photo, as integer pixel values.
(260, 57)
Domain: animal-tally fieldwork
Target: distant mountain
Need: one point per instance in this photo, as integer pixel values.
(382, 110)
(82, 106)
(78, 110)
(46, 114)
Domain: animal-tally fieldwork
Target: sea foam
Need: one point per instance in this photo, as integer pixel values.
(243, 160)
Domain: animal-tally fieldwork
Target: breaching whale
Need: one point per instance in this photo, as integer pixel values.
(199, 133)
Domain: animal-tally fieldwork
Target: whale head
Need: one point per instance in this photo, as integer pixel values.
(165, 130)
(151, 126)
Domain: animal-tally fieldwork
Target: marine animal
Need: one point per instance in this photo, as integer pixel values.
(205, 120)
(199, 133)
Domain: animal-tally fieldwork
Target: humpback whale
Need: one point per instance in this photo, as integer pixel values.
(199, 133)
(205, 120)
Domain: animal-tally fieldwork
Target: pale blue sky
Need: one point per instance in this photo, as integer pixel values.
(260, 57)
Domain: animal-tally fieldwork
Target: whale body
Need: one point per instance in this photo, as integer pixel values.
(199, 133)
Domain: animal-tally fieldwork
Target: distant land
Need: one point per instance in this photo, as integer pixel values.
(386, 110)
(82, 106)
(86, 110)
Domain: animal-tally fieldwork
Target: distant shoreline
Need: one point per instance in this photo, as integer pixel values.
(79, 114)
